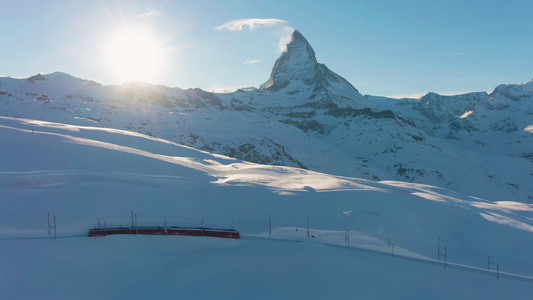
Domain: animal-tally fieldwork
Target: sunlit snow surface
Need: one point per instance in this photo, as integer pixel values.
(81, 174)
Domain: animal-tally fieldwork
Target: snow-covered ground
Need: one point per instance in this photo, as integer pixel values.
(82, 174)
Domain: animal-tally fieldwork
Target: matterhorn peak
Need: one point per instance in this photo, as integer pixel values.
(298, 65)
(297, 62)
(300, 49)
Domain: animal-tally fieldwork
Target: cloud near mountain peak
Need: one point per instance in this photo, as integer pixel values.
(241, 24)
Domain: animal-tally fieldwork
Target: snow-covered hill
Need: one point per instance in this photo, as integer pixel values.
(84, 174)
(307, 116)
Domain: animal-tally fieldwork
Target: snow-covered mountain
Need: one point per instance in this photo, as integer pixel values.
(307, 116)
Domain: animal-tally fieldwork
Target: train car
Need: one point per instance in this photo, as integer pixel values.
(148, 230)
(199, 231)
(120, 230)
(225, 233)
(194, 231)
(191, 231)
(108, 231)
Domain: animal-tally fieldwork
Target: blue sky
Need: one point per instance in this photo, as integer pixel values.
(385, 48)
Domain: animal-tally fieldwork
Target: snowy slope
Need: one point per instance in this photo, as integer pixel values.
(80, 174)
(309, 117)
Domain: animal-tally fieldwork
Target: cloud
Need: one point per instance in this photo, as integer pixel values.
(286, 36)
(241, 24)
(251, 61)
(150, 14)
(280, 25)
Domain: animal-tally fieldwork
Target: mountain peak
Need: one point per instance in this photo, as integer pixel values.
(297, 62)
(300, 43)
(297, 35)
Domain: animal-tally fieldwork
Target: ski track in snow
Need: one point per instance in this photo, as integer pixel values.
(53, 179)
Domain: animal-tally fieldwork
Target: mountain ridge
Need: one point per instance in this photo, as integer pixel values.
(312, 121)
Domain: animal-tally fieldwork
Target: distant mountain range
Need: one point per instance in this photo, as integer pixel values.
(307, 116)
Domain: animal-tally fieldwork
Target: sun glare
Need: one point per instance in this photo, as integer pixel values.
(134, 56)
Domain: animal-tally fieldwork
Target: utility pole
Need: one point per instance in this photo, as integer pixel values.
(269, 226)
(345, 232)
(232, 228)
(445, 256)
(105, 226)
(134, 224)
(50, 226)
(438, 249)
(348, 238)
(308, 228)
(439, 254)
(497, 264)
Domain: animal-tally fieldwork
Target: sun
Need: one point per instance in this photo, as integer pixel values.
(134, 55)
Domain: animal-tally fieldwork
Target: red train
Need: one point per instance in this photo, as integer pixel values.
(199, 231)
(194, 231)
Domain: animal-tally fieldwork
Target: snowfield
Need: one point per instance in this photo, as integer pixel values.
(84, 174)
